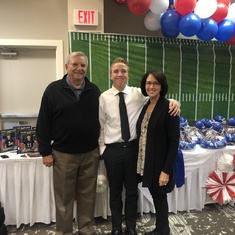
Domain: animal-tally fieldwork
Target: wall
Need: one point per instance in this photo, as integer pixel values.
(23, 79)
(34, 19)
(86, 5)
(118, 19)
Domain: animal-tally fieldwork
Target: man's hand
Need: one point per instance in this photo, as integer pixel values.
(174, 107)
(48, 160)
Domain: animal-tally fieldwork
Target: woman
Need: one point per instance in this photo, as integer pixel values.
(158, 136)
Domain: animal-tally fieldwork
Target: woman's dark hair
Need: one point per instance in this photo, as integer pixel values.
(160, 77)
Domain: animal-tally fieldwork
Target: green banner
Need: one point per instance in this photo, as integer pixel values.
(200, 74)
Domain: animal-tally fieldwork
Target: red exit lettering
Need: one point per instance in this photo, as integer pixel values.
(86, 17)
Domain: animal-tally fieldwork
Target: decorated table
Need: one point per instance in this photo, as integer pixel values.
(199, 163)
(27, 195)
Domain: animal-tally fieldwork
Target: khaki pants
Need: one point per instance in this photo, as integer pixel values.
(75, 173)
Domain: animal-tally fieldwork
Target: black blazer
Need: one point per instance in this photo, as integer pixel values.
(162, 145)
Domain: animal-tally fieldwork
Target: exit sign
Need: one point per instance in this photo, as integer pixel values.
(85, 17)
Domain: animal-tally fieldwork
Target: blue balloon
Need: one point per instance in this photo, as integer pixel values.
(170, 23)
(190, 24)
(172, 34)
(208, 30)
(226, 29)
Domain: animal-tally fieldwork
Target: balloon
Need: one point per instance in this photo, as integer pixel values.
(152, 21)
(172, 34)
(231, 41)
(226, 29)
(190, 24)
(226, 2)
(184, 7)
(170, 23)
(220, 13)
(120, 2)
(231, 12)
(208, 30)
(159, 6)
(138, 7)
(205, 8)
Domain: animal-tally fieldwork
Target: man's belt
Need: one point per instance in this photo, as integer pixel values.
(123, 144)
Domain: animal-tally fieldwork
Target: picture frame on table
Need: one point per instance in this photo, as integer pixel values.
(18, 129)
(8, 140)
(27, 141)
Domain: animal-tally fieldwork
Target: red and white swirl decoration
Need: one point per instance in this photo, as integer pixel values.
(221, 186)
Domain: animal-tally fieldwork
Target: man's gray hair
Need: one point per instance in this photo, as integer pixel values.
(77, 53)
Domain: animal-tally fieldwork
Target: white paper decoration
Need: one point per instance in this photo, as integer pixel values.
(102, 183)
(225, 163)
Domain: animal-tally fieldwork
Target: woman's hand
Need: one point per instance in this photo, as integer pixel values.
(163, 179)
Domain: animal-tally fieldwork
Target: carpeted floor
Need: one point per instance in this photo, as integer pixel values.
(215, 219)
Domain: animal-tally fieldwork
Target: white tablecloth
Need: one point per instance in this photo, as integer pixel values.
(199, 163)
(26, 190)
(27, 195)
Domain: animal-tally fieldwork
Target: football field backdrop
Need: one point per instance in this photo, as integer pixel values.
(201, 75)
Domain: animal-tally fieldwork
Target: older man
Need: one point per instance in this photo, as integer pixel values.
(67, 133)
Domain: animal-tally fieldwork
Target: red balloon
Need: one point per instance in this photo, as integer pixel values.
(185, 7)
(138, 7)
(120, 2)
(231, 40)
(220, 13)
(226, 2)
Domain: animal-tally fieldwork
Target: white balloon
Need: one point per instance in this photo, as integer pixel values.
(231, 12)
(159, 6)
(152, 21)
(205, 8)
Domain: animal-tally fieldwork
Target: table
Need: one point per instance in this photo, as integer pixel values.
(199, 163)
(27, 194)
(26, 190)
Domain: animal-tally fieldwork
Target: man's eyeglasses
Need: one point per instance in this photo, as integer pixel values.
(152, 83)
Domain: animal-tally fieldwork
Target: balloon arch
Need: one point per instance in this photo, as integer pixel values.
(205, 19)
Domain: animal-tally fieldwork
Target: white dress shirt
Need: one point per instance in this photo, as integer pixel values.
(109, 114)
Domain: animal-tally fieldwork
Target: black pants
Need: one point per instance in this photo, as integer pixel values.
(121, 164)
(161, 207)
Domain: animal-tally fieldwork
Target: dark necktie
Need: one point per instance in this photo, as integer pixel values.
(124, 118)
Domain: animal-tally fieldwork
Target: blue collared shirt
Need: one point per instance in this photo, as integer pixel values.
(76, 91)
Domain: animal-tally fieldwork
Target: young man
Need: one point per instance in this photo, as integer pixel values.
(121, 156)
